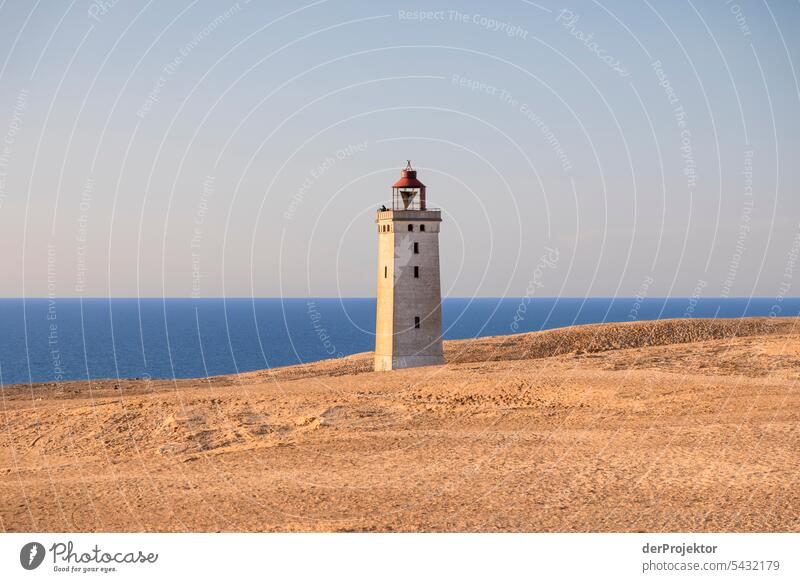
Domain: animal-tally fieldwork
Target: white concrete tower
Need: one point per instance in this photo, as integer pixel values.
(408, 326)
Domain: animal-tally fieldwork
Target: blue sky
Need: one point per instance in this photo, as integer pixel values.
(216, 149)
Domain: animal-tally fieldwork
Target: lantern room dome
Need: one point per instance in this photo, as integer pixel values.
(408, 179)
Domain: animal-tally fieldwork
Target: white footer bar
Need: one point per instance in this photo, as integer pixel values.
(376, 557)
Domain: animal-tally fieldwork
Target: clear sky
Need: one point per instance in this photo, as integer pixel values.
(211, 148)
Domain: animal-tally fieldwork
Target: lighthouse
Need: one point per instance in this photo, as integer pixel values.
(408, 323)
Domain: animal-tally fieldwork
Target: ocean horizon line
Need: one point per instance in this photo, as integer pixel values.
(353, 298)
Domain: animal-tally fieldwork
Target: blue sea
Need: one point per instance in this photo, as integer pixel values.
(43, 340)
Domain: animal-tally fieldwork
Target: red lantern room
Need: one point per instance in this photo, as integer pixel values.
(408, 193)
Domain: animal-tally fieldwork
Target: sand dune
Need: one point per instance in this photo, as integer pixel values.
(648, 426)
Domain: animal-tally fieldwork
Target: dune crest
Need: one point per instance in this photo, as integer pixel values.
(555, 342)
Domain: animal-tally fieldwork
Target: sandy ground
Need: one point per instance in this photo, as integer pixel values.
(652, 426)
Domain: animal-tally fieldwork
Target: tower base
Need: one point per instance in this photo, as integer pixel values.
(386, 363)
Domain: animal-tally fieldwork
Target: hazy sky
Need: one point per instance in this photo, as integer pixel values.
(237, 149)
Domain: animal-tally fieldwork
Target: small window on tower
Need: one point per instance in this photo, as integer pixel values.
(410, 228)
(416, 272)
(422, 227)
(385, 272)
(416, 248)
(416, 322)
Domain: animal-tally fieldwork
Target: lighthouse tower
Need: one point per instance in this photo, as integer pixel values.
(408, 327)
